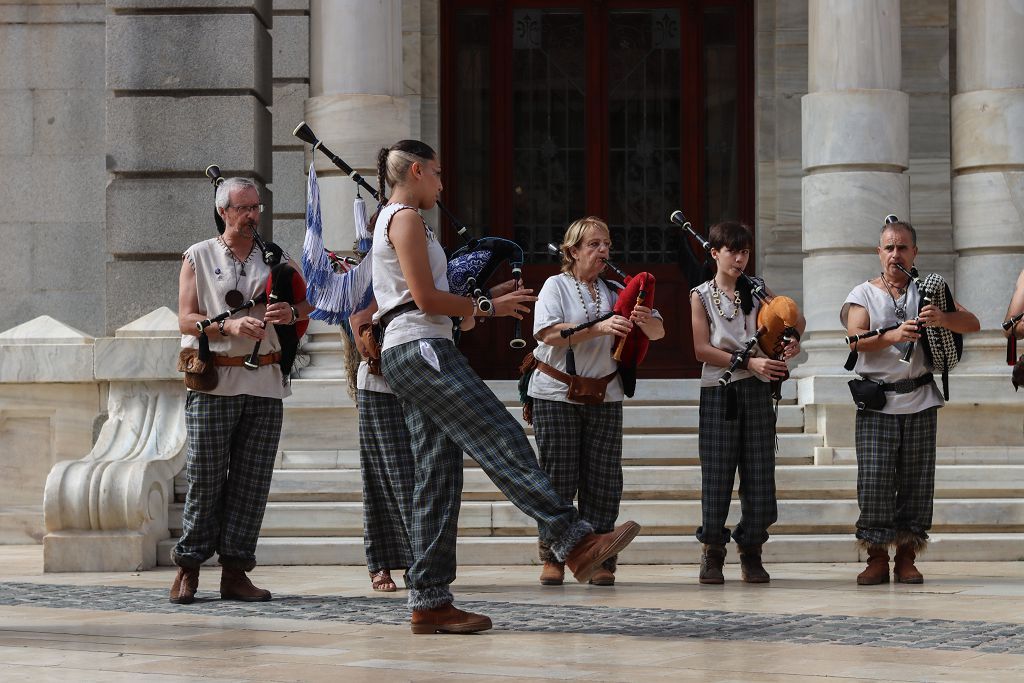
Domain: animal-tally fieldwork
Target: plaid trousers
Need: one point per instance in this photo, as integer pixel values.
(449, 411)
(389, 473)
(581, 451)
(232, 445)
(746, 444)
(895, 475)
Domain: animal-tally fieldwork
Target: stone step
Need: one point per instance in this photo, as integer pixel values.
(948, 455)
(333, 393)
(646, 549)
(659, 517)
(669, 483)
(637, 449)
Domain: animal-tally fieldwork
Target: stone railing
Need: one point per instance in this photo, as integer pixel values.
(106, 511)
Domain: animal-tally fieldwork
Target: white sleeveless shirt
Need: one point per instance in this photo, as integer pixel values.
(727, 335)
(217, 273)
(391, 289)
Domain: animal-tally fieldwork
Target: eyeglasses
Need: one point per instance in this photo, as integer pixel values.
(258, 208)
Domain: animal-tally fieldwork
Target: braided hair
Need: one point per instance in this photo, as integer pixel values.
(393, 163)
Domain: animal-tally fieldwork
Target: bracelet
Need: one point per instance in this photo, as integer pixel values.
(220, 328)
(295, 315)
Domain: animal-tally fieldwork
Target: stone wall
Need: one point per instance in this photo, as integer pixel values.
(52, 162)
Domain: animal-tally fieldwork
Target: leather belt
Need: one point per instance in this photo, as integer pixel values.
(239, 361)
(905, 386)
(551, 371)
(386, 319)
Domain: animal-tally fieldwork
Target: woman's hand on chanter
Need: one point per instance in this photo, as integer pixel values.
(513, 304)
(615, 325)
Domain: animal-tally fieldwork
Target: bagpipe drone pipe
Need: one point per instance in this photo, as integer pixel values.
(777, 318)
(283, 284)
(630, 351)
(337, 295)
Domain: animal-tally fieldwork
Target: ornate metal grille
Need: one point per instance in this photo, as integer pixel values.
(644, 144)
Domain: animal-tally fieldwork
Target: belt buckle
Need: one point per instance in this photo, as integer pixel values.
(904, 386)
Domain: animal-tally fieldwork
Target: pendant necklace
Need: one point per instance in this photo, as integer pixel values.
(716, 298)
(900, 311)
(235, 298)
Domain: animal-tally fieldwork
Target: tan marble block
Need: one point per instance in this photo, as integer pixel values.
(862, 127)
(988, 129)
(846, 210)
(854, 45)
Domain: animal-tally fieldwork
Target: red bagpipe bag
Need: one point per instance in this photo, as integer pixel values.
(630, 352)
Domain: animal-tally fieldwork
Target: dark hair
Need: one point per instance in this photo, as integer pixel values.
(392, 164)
(731, 235)
(735, 236)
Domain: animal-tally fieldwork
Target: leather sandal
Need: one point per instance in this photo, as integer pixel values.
(382, 582)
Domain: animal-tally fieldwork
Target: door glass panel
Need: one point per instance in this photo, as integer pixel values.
(473, 119)
(721, 173)
(548, 136)
(644, 133)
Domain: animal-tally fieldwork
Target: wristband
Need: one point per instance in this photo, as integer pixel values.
(220, 328)
(295, 315)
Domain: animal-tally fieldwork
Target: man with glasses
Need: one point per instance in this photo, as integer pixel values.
(233, 428)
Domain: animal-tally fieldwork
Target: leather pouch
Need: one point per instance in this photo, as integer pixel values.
(589, 390)
(200, 375)
(372, 337)
(867, 394)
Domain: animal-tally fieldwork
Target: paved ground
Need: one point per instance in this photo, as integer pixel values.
(965, 624)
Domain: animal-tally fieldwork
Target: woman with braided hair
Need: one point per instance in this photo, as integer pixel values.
(448, 408)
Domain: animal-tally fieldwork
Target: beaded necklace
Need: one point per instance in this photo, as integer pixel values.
(716, 298)
(596, 300)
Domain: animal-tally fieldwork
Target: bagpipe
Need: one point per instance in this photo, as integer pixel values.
(630, 351)
(777, 318)
(283, 284)
(1017, 376)
(338, 295)
(942, 348)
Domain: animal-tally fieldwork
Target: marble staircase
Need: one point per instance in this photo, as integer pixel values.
(315, 515)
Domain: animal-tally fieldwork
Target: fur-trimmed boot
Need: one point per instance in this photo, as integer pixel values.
(712, 559)
(552, 574)
(903, 569)
(751, 568)
(877, 570)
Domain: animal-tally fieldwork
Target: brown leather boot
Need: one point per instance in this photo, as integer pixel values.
(603, 577)
(235, 585)
(186, 583)
(448, 619)
(712, 559)
(751, 569)
(594, 549)
(552, 574)
(877, 570)
(903, 569)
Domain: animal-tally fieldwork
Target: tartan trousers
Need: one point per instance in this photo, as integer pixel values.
(232, 445)
(895, 476)
(389, 473)
(581, 451)
(449, 411)
(746, 444)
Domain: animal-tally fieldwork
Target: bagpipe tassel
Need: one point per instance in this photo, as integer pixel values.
(335, 296)
(361, 222)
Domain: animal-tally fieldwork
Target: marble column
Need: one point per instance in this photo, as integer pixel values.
(988, 170)
(855, 125)
(357, 104)
(186, 87)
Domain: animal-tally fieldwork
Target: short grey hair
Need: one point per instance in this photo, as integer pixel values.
(229, 185)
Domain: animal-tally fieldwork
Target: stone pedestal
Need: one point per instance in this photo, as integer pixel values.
(988, 169)
(108, 510)
(186, 88)
(855, 154)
